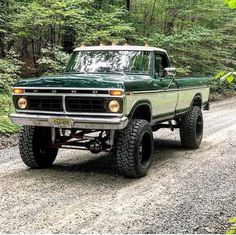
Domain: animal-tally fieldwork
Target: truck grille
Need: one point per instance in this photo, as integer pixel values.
(45, 103)
(72, 104)
(88, 105)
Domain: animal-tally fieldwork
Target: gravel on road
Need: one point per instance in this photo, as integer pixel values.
(186, 191)
(7, 141)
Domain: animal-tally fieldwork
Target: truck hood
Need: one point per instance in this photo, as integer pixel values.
(116, 81)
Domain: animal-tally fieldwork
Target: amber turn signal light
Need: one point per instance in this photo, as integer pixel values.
(116, 93)
(18, 91)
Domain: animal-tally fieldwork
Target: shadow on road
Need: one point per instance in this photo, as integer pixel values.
(106, 163)
(85, 167)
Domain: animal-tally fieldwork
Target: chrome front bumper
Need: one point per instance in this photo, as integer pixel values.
(101, 123)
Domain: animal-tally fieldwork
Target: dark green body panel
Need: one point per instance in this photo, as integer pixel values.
(74, 81)
(112, 81)
(187, 82)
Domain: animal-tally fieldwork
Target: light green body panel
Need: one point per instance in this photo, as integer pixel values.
(160, 102)
(185, 97)
(166, 104)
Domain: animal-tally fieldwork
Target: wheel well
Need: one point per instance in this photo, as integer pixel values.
(197, 101)
(142, 112)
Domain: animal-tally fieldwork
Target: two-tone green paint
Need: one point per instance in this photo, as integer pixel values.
(126, 82)
(167, 96)
(188, 82)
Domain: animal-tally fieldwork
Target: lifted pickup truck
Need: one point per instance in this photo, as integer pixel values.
(110, 98)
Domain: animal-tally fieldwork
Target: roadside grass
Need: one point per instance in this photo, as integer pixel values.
(6, 107)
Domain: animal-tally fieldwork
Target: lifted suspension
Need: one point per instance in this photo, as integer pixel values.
(82, 140)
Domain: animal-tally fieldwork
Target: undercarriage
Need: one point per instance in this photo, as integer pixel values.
(92, 140)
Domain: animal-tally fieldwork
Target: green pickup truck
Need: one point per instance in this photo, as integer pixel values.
(110, 98)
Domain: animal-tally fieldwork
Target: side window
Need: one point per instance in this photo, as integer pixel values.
(161, 62)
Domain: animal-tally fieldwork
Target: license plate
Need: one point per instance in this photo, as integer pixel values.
(62, 122)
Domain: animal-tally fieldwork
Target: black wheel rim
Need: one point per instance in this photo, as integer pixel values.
(199, 127)
(144, 151)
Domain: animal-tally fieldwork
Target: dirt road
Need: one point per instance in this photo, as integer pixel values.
(184, 192)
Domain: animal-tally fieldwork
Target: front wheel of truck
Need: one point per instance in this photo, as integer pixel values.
(33, 145)
(135, 149)
(191, 128)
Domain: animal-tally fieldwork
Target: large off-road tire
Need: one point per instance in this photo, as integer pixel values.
(135, 149)
(191, 128)
(33, 145)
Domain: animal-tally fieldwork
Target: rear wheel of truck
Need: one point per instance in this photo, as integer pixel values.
(135, 149)
(191, 128)
(33, 145)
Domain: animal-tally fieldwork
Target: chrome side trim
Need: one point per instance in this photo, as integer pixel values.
(90, 123)
(153, 91)
(166, 90)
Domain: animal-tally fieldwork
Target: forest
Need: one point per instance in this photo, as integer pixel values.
(37, 36)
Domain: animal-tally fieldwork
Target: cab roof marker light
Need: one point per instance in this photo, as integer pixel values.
(18, 91)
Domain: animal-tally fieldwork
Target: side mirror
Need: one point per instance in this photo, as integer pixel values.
(170, 71)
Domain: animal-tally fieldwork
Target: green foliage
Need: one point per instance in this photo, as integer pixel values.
(6, 126)
(223, 85)
(193, 50)
(232, 230)
(9, 70)
(199, 35)
(229, 77)
(108, 27)
(53, 60)
(231, 3)
(52, 19)
(201, 31)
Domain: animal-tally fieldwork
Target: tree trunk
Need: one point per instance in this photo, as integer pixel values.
(34, 57)
(128, 5)
(151, 17)
(2, 49)
(68, 39)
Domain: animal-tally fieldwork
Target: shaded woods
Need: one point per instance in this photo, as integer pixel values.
(38, 34)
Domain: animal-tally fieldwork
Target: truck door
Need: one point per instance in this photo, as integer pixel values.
(167, 94)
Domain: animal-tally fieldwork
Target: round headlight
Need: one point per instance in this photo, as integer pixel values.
(114, 106)
(22, 103)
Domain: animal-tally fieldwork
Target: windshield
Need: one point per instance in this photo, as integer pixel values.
(124, 62)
